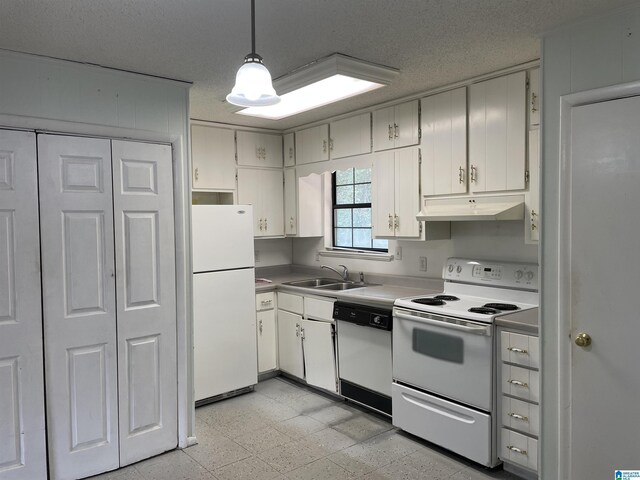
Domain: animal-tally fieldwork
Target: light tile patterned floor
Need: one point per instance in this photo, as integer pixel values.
(285, 431)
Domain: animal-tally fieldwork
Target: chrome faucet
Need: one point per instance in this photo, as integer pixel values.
(344, 274)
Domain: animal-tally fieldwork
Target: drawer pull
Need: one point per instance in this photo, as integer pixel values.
(266, 302)
(518, 350)
(519, 417)
(517, 450)
(518, 383)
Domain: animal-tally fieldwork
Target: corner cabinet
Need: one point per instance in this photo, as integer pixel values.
(396, 126)
(312, 144)
(213, 155)
(444, 143)
(263, 188)
(259, 149)
(497, 134)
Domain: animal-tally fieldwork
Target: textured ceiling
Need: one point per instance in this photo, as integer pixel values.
(431, 42)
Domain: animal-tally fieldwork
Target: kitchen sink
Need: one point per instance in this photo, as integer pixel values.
(345, 286)
(313, 282)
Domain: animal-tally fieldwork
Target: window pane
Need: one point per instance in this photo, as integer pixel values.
(343, 217)
(363, 193)
(343, 237)
(382, 244)
(344, 195)
(362, 237)
(361, 217)
(363, 175)
(344, 177)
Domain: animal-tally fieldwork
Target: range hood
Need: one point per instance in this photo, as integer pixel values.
(507, 207)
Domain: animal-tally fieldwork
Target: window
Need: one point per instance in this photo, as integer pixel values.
(352, 211)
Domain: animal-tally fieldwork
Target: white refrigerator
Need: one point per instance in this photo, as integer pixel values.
(224, 315)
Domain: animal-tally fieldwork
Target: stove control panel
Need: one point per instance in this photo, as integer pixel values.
(498, 274)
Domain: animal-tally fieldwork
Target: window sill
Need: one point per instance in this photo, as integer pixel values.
(362, 255)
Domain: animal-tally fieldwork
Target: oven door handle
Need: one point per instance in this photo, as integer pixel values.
(475, 329)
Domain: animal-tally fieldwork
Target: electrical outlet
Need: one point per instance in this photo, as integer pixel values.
(423, 264)
(398, 254)
(256, 255)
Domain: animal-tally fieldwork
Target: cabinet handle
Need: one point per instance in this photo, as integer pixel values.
(516, 449)
(197, 175)
(533, 219)
(331, 144)
(396, 130)
(260, 327)
(534, 97)
(474, 176)
(518, 383)
(518, 350)
(390, 222)
(518, 417)
(291, 222)
(260, 224)
(265, 225)
(265, 302)
(324, 146)
(461, 174)
(297, 329)
(290, 152)
(396, 222)
(390, 132)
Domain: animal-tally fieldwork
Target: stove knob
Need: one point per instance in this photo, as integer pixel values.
(529, 276)
(450, 268)
(459, 269)
(519, 274)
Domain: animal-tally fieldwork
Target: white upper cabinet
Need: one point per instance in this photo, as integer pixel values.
(303, 202)
(534, 101)
(290, 202)
(444, 143)
(350, 136)
(213, 156)
(396, 126)
(312, 144)
(263, 188)
(289, 150)
(259, 149)
(532, 215)
(497, 129)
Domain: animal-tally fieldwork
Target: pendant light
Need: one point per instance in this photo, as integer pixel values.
(253, 86)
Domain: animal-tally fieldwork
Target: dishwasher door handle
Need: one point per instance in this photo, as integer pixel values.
(468, 328)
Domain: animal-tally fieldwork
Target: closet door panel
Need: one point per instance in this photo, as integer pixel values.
(78, 280)
(22, 433)
(145, 293)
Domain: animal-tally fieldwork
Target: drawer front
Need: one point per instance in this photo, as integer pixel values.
(318, 309)
(519, 449)
(291, 303)
(520, 349)
(521, 415)
(521, 382)
(265, 301)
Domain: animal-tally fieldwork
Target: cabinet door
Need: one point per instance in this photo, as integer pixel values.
(444, 143)
(249, 194)
(532, 210)
(497, 128)
(213, 153)
(310, 206)
(78, 279)
(259, 149)
(289, 150)
(534, 101)
(350, 136)
(22, 429)
(272, 202)
(290, 343)
(145, 299)
(383, 129)
(267, 352)
(407, 192)
(319, 354)
(406, 125)
(312, 144)
(290, 202)
(383, 194)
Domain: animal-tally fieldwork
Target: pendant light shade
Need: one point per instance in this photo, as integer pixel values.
(253, 86)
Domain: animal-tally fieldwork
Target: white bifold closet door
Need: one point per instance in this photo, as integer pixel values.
(109, 302)
(22, 434)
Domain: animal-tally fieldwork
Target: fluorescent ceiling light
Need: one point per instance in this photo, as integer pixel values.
(323, 82)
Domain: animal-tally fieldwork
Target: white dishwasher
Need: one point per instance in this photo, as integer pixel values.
(364, 354)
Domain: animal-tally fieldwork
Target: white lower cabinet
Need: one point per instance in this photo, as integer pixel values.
(306, 339)
(266, 332)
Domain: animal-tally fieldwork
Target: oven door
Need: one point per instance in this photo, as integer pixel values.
(447, 356)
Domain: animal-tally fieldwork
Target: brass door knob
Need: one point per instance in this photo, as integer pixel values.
(583, 340)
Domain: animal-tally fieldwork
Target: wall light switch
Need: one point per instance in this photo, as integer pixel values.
(398, 254)
(423, 264)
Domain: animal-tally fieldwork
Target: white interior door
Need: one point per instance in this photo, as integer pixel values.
(78, 280)
(319, 354)
(146, 299)
(604, 273)
(22, 435)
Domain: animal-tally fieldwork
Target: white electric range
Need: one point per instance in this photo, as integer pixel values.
(443, 354)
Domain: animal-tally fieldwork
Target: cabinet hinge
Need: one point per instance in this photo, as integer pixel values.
(526, 176)
(420, 227)
(337, 385)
